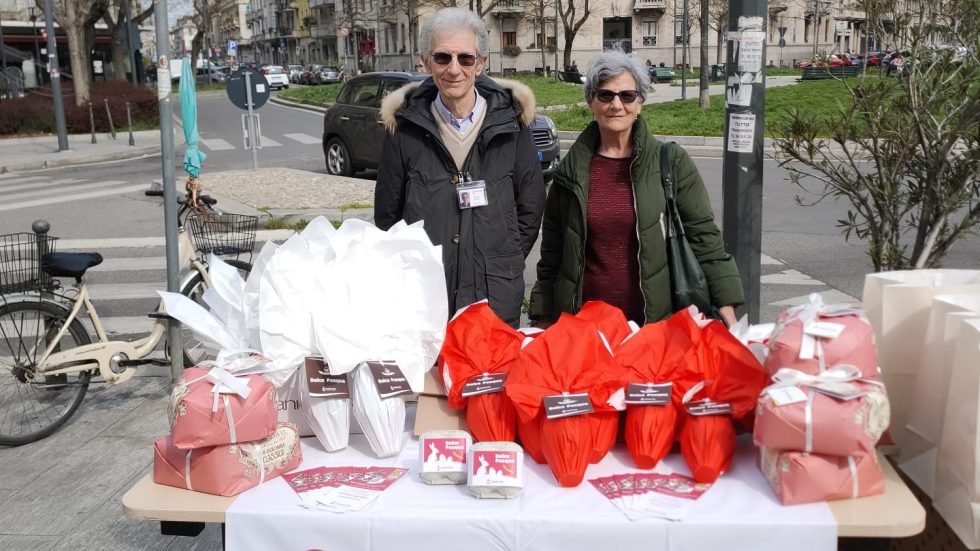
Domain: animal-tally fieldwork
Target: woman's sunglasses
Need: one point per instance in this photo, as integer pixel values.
(442, 58)
(625, 96)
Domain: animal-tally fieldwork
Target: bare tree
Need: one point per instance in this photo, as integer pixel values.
(718, 20)
(116, 18)
(75, 18)
(573, 14)
(905, 151)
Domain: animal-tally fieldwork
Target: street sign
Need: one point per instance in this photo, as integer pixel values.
(233, 47)
(344, 31)
(782, 32)
(840, 27)
(238, 94)
(782, 42)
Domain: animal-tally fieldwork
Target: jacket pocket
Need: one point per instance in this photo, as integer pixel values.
(505, 285)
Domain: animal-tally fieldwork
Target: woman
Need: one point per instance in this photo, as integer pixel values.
(603, 230)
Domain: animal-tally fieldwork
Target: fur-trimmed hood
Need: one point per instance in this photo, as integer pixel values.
(521, 94)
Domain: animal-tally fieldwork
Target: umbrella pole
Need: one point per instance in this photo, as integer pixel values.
(174, 344)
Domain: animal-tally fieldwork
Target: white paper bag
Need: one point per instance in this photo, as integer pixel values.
(926, 417)
(957, 490)
(898, 305)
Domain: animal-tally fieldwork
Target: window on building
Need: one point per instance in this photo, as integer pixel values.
(679, 32)
(649, 30)
(403, 37)
(807, 29)
(510, 38)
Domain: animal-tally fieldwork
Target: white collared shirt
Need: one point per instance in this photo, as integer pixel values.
(461, 125)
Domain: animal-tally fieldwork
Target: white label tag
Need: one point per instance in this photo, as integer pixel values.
(824, 329)
(260, 88)
(808, 347)
(786, 395)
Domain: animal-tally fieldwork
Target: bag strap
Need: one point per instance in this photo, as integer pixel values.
(674, 224)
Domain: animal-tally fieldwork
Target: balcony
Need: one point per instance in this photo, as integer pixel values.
(508, 7)
(322, 31)
(649, 40)
(658, 5)
(777, 6)
(623, 44)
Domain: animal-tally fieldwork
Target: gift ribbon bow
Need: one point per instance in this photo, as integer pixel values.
(809, 313)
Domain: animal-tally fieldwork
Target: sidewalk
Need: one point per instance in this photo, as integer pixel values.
(18, 154)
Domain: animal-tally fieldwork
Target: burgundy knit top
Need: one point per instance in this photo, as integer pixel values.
(612, 266)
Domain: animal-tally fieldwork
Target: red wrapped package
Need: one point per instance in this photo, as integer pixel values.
(814, 337)
(610, 320)
(240, 409)
(650, 359)
(615, 328)
(731, 378)
(566, 372)
(530, 435)
(799, 477)
(836, 413)
(227, 470)
(476, 356)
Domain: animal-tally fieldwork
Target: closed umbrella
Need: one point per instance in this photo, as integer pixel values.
(193, 156)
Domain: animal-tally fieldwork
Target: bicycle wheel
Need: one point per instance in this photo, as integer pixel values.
(195, 351)
(33, 407)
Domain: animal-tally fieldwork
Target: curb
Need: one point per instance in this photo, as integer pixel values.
(287, 103)
(77, 161)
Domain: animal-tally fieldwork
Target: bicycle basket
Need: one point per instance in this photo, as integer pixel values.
(22, 258)
(223, 234)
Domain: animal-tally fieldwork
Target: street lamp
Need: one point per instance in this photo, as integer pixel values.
(37, 49)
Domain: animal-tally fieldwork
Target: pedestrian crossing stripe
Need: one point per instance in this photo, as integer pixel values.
(56, 190)
(303, 138)
(7, 206)
(216, 144)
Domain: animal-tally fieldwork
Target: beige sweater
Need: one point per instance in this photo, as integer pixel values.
(458, 144)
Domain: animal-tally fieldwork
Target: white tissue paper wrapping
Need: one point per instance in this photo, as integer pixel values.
(383, 298)
(329, 418)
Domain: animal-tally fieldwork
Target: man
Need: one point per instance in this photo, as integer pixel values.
(460, 131)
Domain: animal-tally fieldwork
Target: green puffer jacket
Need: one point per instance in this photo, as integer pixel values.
(563, 234)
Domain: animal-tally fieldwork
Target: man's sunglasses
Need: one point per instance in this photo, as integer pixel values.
(625, 96)
(442, 58)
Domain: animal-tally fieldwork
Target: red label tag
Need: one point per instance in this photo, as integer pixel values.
(321, 383)
(486, 383)
(566, 405)
(503, 462)
(389, 379)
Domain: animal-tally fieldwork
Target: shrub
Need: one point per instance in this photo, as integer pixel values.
(513, 50)
(35, 113)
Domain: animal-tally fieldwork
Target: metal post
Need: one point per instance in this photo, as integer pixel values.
(207, 48)
(108, 114)
(37, 49)
(55, 75)
(743, 152)
(556, 41)
(129, 123)
(816, 26)
(684, 41)
(175, 346)
(673, 22)
(91, 122)
(252, 138)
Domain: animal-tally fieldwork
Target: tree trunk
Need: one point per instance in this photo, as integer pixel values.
(704, 101)
(721, 41)
(120, 51)
(567, 50)
(79, 61)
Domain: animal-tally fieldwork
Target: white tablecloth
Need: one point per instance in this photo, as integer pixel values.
(738, 512)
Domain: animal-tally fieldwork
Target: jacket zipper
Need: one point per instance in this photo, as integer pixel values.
(639, 243)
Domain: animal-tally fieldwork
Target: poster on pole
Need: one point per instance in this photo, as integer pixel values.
(750, 51)
(741, 132)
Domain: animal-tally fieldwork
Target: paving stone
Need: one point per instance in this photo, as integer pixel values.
(10, 542)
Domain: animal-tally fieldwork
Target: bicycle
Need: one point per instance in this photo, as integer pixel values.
(45, 347)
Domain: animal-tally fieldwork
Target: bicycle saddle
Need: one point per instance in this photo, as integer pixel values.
(69, 264)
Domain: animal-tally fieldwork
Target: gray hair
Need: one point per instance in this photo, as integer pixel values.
(454, 19)
(610, 64)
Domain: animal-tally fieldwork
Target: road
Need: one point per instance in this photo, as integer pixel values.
(804, 251)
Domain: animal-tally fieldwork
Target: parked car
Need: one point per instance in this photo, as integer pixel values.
(353, 133)
(308, 76)
(294, 71)
(328, 74)
(276, 76)
(833, 60)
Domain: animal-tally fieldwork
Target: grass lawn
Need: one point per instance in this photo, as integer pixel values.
(324, 94)
(548, 92)
(684, 118)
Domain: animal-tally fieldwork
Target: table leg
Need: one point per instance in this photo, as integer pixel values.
(190, 529)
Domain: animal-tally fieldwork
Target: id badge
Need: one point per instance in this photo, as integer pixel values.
(472, 194)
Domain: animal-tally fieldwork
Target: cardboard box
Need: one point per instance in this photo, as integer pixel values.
(433, 411)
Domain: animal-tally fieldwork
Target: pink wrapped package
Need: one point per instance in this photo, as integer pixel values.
(814, 337)
(227, 470)
(831, 417)
(210, 407)
(799, 477)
